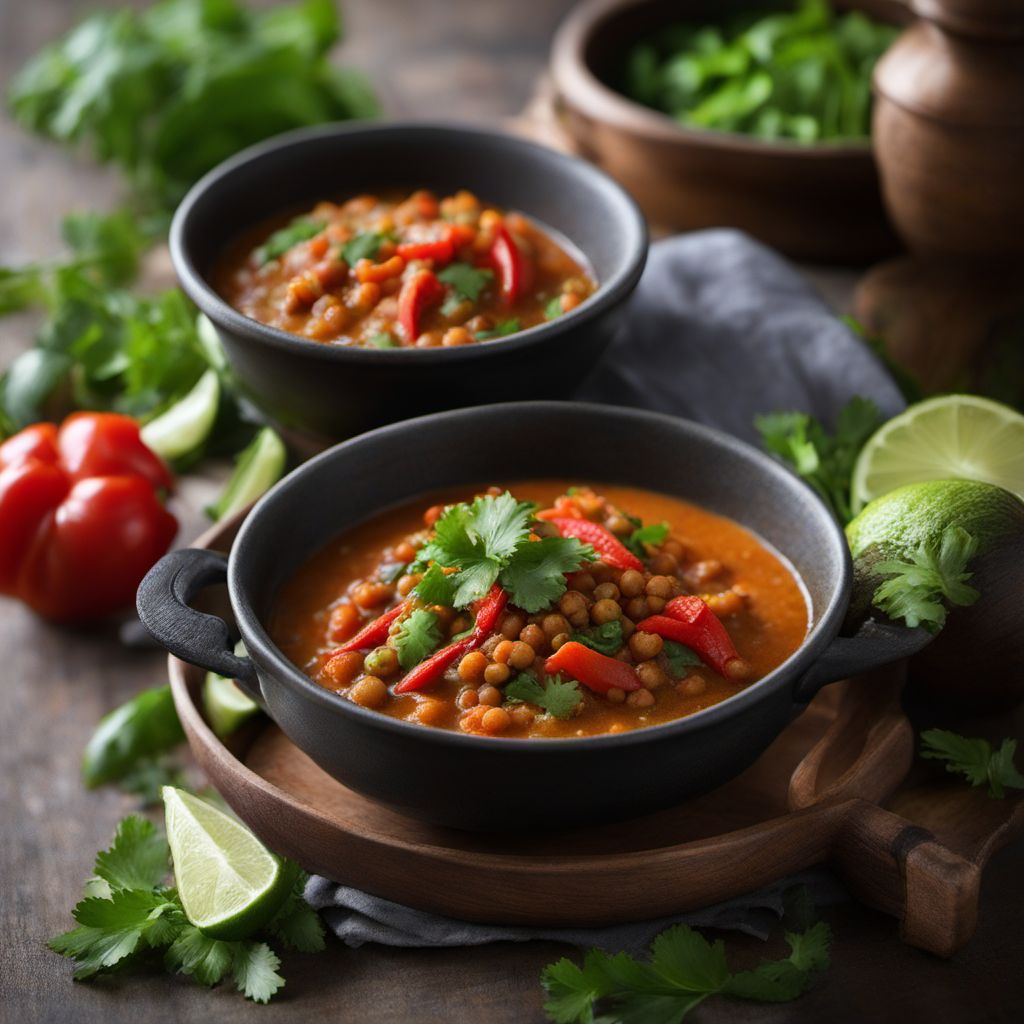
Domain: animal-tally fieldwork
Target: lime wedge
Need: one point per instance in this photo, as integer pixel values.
(226, 706)
(959, 437)
(187, 423)
(258, 468)
(230, 884)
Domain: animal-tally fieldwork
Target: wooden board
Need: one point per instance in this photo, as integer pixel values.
(830, 789)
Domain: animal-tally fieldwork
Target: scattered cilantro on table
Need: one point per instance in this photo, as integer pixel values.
(975, 759)
(417, 637)
(556, 696)
(824, 460)
(130, 915)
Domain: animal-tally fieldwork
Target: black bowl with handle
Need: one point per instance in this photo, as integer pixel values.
(479, 782)
(327, 391)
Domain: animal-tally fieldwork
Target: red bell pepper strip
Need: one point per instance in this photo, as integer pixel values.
(373, 634)
(419, 292)
(441, 250)
(609, 548)
(594, 670)
(427, 672)
(688, 620)
(81, 518)
(513, 269)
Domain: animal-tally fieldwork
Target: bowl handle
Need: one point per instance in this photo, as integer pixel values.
(194, 636)
(873, 645)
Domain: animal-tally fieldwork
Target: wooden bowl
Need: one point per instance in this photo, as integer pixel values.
(818, 203)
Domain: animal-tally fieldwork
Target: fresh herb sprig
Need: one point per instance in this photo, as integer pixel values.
(417, 637)
(556, 696)
(684, 970)
(653, 534)
(130, 915)
(824, 460)
(975, 759)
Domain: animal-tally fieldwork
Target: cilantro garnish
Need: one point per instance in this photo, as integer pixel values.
(299, 230)
(606, 638)
(684, 970)
(488, 541)
(975, 760)
(417, 637)
(363, 246)
(436, 587)
(553, 309)
(643, 535)
(824, 460)
(503, 329)
(128, 911)
(383, 339)
(918, 589)
(557, 697)
(465, 280)
(679, 658)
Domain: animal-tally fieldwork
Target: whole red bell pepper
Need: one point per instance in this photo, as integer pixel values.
(688, 620)
(418, 293)
(81, 518)
(514, 270)
(425, 674)
(594, 670)
(609, 548)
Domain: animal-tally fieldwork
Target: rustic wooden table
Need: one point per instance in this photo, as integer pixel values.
(475, 59)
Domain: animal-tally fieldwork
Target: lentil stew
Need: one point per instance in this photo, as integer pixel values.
(544, 611)
(403, 272)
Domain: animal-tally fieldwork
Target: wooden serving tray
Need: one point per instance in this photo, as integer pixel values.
(833, 788)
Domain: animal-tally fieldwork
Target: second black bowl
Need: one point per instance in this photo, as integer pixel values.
(333, 391)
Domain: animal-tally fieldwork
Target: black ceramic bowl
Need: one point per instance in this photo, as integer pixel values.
(487, 783)
(332, 391)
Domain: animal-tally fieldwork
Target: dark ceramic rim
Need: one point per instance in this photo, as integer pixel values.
(609, 293)
(814, 515)
(577, 83)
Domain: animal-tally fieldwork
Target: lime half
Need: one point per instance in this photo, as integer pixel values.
(958, 437)
(230, 884)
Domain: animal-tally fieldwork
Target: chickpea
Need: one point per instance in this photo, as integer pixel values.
(340, 670)
(604, 611)
(511, 625)
(573, 605)
(535, 637)
(522, 715)
(459, 625)
(343, 622)
(404, 552)
(431, 712)
(628, 627)
(496, 674)
(651, 674)
(371, 595)
(432, 515)
(490, 645)
(455, 336)
(664, 564)
(674, 547)
(637, 609)
(645, 645)
(616, 695)
(659, 586)
(631, 583)
(521, 656)
(472, 667)
(429, 339)
(603, 572)
(494, 721)
(554, 624)
(656, 605)
(619, 524)
(606, 591)
(503, 651)
(470, 720)
(726, 603)
(691, 686)
(559, 640)
(584, 581)
(407, 582)
(640, 699)
(383, 662)
(703, 571)
(468, 698)
(369, 692)
(737, 669)
(489, 695)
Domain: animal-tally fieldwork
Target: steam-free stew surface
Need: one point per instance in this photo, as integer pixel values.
(366, 572)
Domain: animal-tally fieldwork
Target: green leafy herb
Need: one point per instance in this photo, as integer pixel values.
(172, 91)
(299, 230)
(684, 970)
(557, 697)
(383, 339)
(148, 777)
(465, 280)
(418, 636)
(363, 246)
(918, 590)
(802, 74)
(679, 658)
(638, 540)
(503, 329)
(824, 460)
(975, 760)
(128, 913)
(436, 587)
(553, 309)
(606, 638)
(535, 574)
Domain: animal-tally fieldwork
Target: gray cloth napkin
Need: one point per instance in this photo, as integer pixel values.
(719, 330)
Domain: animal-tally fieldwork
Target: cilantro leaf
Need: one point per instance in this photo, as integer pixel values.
(918, 589)
(436, 587)
(465, 280)
(643, 535)
(685, 958)
(499, 522)
(824, 460)
(297, 924)
(193, 953)
(138, 858)
(606, 638)
(781, 981)
(557, 697)
(535, 576)
(301, 229)
(975, 760)
(503, 329)
(255, 971)
(572, 990)
(553, 309)
(418, 636)
(363, 246)
(679, 658)
(383, 339)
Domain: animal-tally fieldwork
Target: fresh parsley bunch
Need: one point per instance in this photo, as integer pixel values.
(130, 916)
(975, 759)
